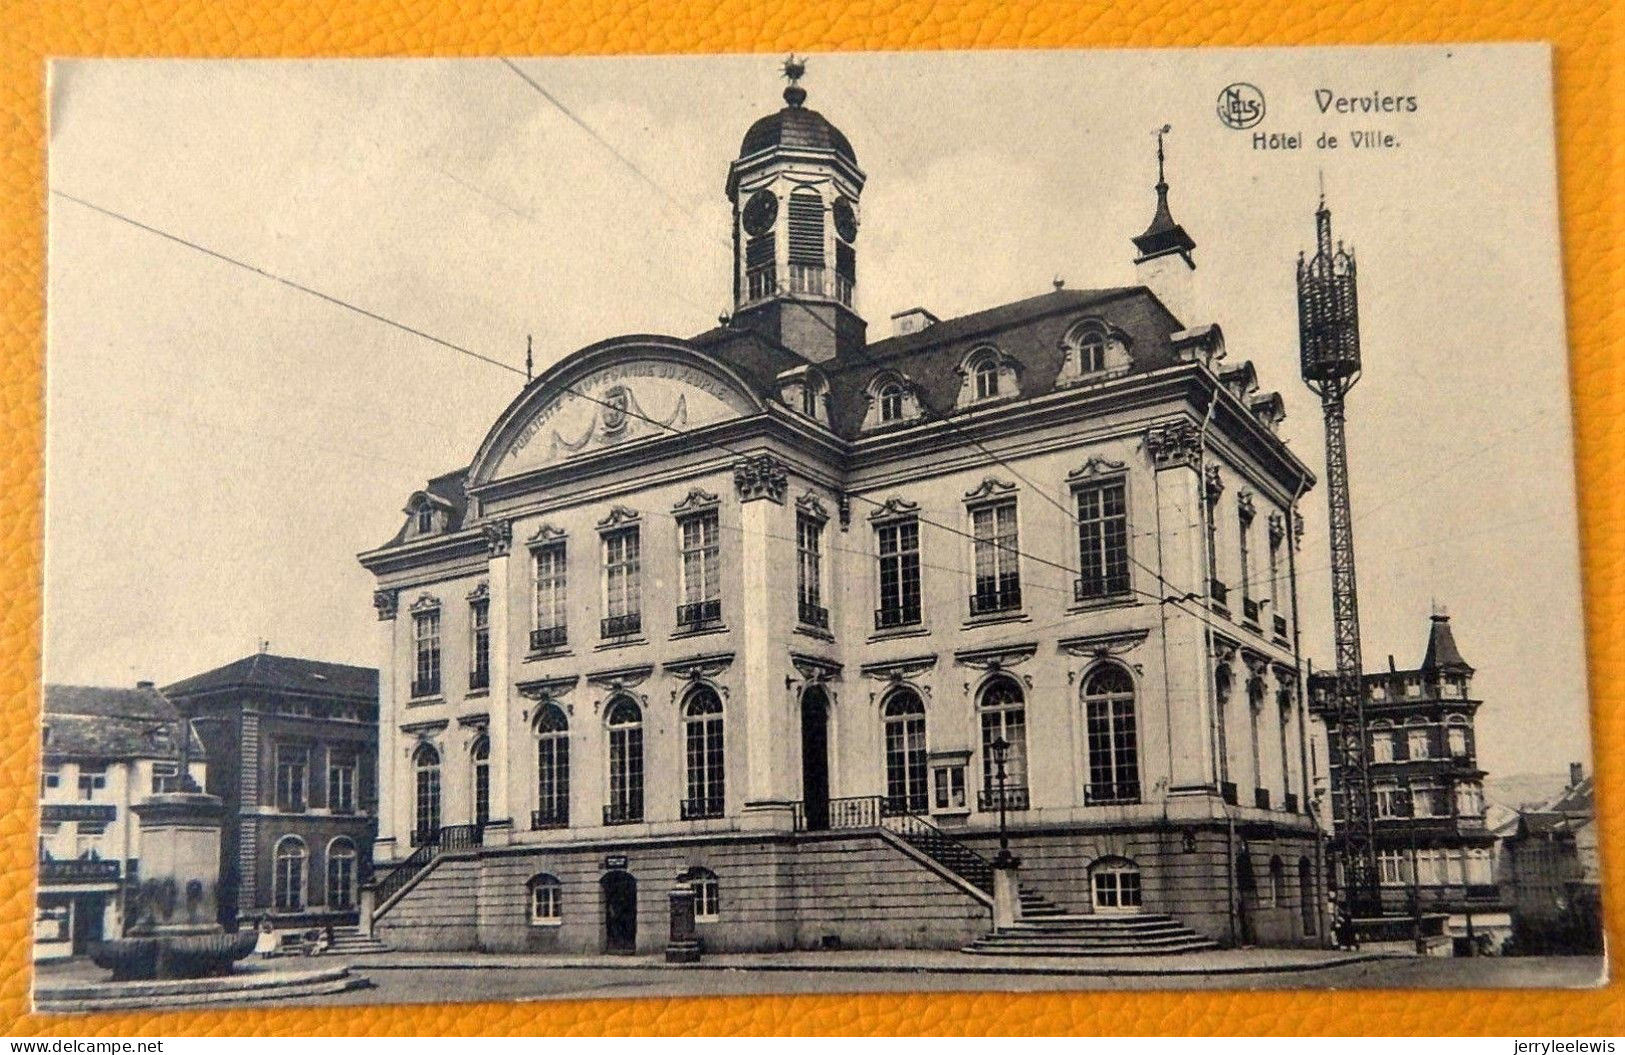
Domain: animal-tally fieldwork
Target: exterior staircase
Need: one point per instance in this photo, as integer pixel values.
(349, 941)
(1047, 929)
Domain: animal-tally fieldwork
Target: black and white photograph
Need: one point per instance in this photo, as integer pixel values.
(523, 528)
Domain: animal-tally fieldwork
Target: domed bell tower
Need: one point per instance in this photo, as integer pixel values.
(795, 189)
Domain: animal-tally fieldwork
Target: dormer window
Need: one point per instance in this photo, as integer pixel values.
(985, 371)
(891, 402)
(1092, 351)
(425, 520)
(809, 401)
(805, 390)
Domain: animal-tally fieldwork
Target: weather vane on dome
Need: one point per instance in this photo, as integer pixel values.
(794, 69)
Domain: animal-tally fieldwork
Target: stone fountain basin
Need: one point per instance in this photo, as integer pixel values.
(172, 956)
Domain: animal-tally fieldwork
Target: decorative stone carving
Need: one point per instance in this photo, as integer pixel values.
(1213, 484)
(991, 487)
(893, 508)
(1099, 646)
(698, 499)
(1174, 444)
(843, 509)
(814, 669)
(620, 678)
(1244, 504)
(1297, 531)
(1224, 649)
(696, 667)
(425, 602)
(998, 657)
(474, 721)
(1277, 529)
(547, 688)
(761, 476)
(545, 534)
(480, 593)
(809, 505)
(386, 602)
(617, 517)
(498, 537)
(894, 670)
(1095, 468)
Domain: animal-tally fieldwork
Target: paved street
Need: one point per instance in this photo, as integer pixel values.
(509, 981)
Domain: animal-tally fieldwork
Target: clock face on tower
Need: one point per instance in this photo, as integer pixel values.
(760, 212)
(846, 220)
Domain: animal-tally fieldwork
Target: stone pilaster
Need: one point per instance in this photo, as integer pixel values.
(761, 482)
(503, 713)
(389, 794)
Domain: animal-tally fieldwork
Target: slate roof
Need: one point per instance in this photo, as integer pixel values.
(269, 673)
(93, 722)
(1442, 652)
(794, 126)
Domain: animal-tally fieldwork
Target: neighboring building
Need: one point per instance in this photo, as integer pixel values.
(1434, 849)
(742, 612)
(294, 746)
(104, 751)
(1551, 873)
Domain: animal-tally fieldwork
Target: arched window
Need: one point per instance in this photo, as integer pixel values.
(1277, 881)
(1115, 884)
(546, 901)
(288, 881)
(1306, 895)
(480, 754)
(1222, 686)
(707, 894)
(1091, 352)
(341, 874)
(552, 769)
(1255, 714)
(985, 375)
(702, 740)
(1114, 758)
(891, 402)
(426, 818)
(904, 719)
(625, 723)
(1004, 717)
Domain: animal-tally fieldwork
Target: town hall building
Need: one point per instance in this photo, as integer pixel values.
(793, 616)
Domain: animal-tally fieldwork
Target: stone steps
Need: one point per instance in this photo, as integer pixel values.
(351, 940)
(1059, 933)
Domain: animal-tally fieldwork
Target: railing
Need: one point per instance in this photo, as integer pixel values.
(1108, 794)
(79, 811)
(814, 615)
(83, 870)
(461, 837)
(545, 637)
(1099, 587)
(401, 874)
(761, 282)
(886, 618)
(1227, 792)
(1482, 891)
(701, 809)
(1219, 592)
(426, 687)
(1015, 798)
(1279, 624)
(942, 848)
(811, 279)
(1290, 803)
(699, 613)
(1004, 598)
(623, 813)
(1261, 798)
(544, 820)
(841, 814)
(621, 625)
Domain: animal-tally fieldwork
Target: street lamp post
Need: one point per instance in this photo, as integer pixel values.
(1001, 752)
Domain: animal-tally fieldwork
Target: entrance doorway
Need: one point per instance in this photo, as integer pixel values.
(620, 892)
(88, 910)
(815, 758)
(1246, 898)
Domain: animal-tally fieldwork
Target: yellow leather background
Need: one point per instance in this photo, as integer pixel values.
(1588, 120)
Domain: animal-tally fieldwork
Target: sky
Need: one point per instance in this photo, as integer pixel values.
(220, 444)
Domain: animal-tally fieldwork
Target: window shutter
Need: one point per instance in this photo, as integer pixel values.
(846, 262)
(759, 251)
(806, 229)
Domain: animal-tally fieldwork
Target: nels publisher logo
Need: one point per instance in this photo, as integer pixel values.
(1241, 105)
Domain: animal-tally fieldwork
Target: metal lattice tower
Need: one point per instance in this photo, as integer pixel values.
(1329, 350)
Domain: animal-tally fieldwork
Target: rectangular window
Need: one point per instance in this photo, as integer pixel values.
(1416, 743)
(341, 767)
(623, 589)
(761, 271)
(1388, 802)
(899, 546)
(479, 645)
(164, 776)
(1244, 530)
(1469, 800)
(810, 572)
(998, 575)
(1457, 737)
(1102, 541)
(292, 763)
(1275, 572)
(546, 908)
(549, 628)
(426, 651)
(92, 778)
(1382, 747)
(88, 842)
(948, 789)
(700, 559)
(50, 776)
(1391, 868)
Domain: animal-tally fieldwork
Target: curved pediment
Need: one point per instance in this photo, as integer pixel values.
(619, 392)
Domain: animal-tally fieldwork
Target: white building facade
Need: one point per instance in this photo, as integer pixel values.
(748, 613)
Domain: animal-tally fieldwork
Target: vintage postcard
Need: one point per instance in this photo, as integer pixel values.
(527, 528)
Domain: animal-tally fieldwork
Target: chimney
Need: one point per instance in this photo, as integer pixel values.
(911, 321)
(145, 685)
(1576, 774)
(1392, 669)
